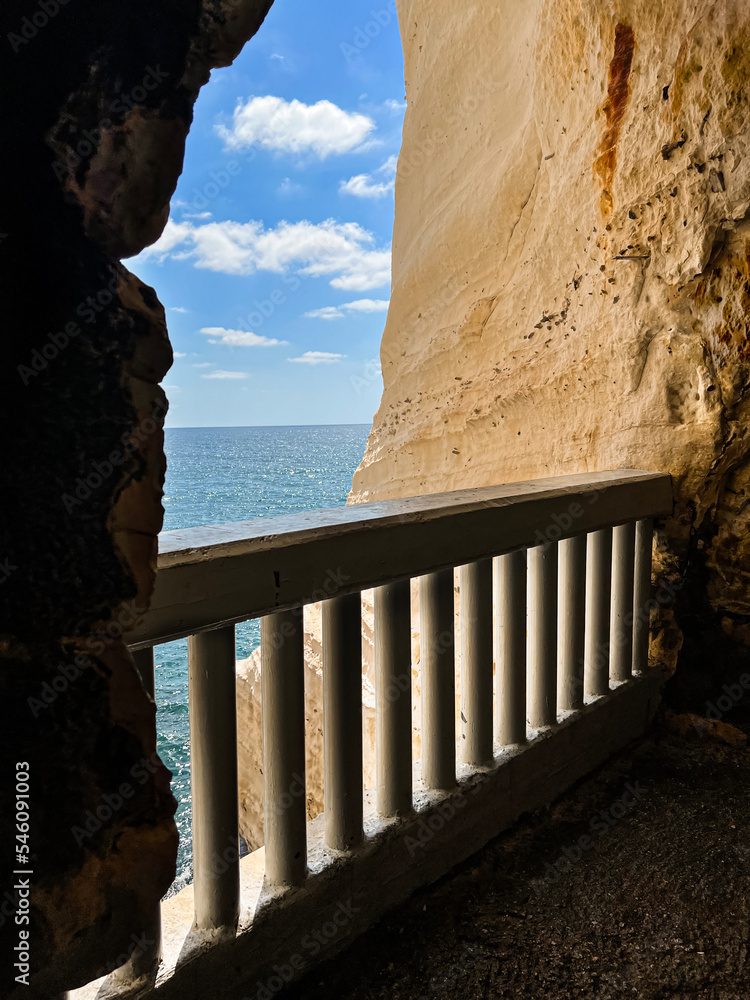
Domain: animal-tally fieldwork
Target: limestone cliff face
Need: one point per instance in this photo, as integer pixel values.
(571, 276)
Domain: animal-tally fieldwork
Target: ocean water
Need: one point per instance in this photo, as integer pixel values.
(221, 474)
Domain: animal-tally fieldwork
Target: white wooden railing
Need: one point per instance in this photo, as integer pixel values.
(554, 603)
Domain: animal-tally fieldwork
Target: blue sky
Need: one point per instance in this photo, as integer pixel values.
(275, 265)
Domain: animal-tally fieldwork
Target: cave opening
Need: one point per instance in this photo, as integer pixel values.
(653, 378)
(274, 269)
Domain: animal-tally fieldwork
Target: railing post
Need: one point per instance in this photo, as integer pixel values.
(213, 778)
(542, 602)
(644, 541)
(143, 964)
(283, 715)
(598, 595)
(342, 721)
(572, 617)
(475, 620)
(438, 673)
(623, 598)
(510, 646)
(393, 699)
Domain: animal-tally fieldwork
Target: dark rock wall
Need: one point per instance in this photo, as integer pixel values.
(96, 105)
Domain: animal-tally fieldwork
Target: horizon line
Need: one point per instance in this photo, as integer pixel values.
(252, 427)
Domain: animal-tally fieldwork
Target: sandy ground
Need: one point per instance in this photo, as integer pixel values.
(635, 884)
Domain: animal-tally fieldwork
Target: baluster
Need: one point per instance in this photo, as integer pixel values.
(621, 640)
(213, 778)
(598, 595)
(143, 963)
(572, 612)
(342, 721)
(542, 602)
(475, 618)
(510, 643)
(393, 698)
(438, 680)
(283, 697)
(644, 540)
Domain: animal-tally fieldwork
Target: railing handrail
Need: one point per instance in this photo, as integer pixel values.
(223, 574)
(549, 656)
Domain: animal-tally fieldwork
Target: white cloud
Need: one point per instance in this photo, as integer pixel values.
(367, 305)
(197, 215)
(318, 358)
(343, 250)
(360, 305)
(294, 127)
(239, 338)
(363, 186)
(366, 186)
(179, 354)
(219, 373)
(174, 234)
(205, 364)
(178, 309)
(327, 312)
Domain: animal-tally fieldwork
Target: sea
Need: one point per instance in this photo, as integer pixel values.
(221, 474)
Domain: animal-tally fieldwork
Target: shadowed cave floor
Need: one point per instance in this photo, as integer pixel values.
(656, 907)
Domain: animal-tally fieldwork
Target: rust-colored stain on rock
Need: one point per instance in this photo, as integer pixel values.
(614, 111)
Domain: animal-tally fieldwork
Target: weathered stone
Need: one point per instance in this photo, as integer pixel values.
(571, 267)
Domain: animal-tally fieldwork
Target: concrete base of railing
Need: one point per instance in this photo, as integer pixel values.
(285, 934)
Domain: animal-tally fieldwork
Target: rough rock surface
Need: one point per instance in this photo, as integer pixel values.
(96, 104)
(571, 271)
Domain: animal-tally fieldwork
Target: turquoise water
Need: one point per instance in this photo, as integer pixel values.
(221, 474)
